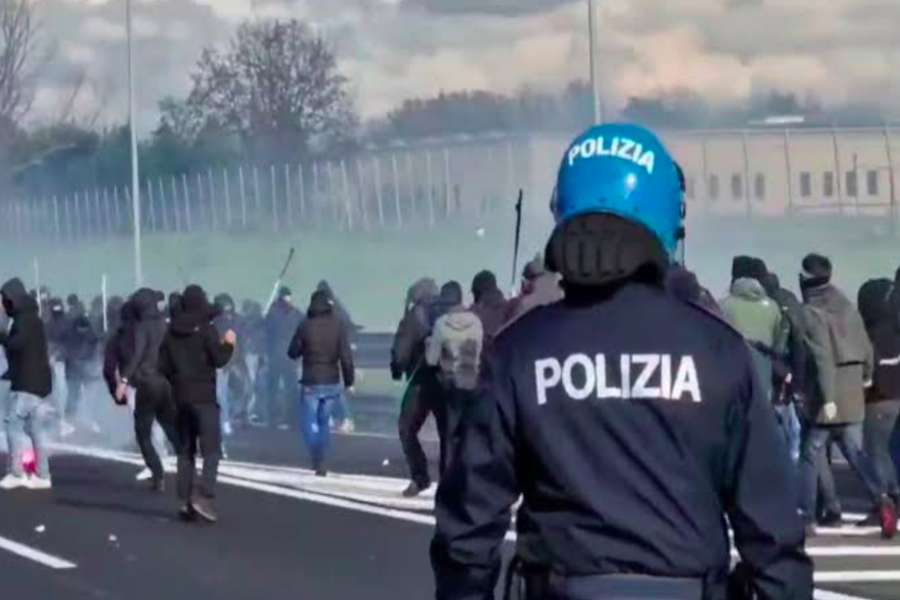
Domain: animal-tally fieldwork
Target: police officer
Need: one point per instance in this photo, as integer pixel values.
(629, 421)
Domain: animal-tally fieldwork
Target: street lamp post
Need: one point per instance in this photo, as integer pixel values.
(593, 26)
(135, 187)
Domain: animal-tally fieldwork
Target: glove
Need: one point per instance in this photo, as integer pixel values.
(396, 372)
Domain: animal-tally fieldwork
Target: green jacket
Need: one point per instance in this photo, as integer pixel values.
(749, 310)
(841, 357)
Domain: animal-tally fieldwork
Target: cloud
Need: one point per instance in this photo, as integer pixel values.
(840, 50)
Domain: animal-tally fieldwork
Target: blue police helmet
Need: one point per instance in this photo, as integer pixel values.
(623, 170)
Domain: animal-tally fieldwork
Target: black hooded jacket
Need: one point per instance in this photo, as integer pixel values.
(880, 310)
(323, 342)
(149, 330)
(25, 343)
(192, 351)
(119, 347)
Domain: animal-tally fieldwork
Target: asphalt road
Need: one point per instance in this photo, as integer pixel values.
(283, 533)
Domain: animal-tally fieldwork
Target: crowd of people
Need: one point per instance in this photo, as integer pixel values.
(191, 370)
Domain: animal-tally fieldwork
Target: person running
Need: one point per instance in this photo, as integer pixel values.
(189, 358)
(30, 402)
(153, 394)
(323, 342)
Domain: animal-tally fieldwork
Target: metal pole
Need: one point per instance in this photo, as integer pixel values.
(56, 218)
(106, 211)
(77, 215)
(302, 184)
(395, 168)
(104, 296)
(99, 215)
(747, 189)
(593, 26)
(162, 204)
(447, 186)
(376, 174)
(187, 203)
(346, 184)
(243, 196)
(152, 202)
(257, 202)
(287, 196)
(362, 195)
(212, 200)
(116, 209)
(430, 183)
(892, 183)
(227, 198)
(274, 199)
(175, 208)
(69, 229)
(200, 198)
(135, 186)
(837, 169)
(412, 183)
(790, 171)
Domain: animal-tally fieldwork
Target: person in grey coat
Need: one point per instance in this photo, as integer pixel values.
(842, 361)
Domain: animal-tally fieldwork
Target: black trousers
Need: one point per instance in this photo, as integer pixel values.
(199, 423)
(282, 392)
(424, 397)
(153, 401)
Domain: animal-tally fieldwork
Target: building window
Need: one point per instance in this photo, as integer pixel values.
(805, 184)
(828, 185)
(713, 187)
(690, 188)
(737, 187)
(759, 186)
(852, 184)
(872, 182)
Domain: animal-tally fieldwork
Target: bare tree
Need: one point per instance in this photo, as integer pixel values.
(277, 85)
(17, 38)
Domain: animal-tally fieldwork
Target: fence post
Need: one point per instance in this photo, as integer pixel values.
(412, 182)
(288, 202)
(163, 204)
(396, 172)
(243, 196)
(447, 186)
(107, 216)
(227, 198)
(116, 209)
(214, 218)
(302, 184)
(77, 214)
(257, 201)
(747, 190)
(893, 183)
(67, 219)
(56, 225)
(790, 171)
(346, 185)
(838, 175)
(376, 168)
(187, 204)
(200, 200)
(274, 198)
(364, 211)
(430, 181)
(315, 192)
(175, 210)
(151, 205)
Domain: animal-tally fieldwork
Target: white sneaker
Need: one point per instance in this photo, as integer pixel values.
(11, 482)
(227, 429)
(144, 475)
(347, 427)
(39, 483)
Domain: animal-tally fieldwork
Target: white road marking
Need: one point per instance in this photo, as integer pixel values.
(33, 554)
(826, 595)
(856, 576)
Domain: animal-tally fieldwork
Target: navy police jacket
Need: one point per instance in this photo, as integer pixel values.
(631, 427)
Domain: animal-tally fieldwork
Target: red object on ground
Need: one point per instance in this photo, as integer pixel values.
(28, 462)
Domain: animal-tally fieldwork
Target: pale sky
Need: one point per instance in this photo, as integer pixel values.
(839, 50)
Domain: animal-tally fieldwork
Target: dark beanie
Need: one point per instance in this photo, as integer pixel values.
(484, 282)
(816, 266)
(451, 293)
(748, 267)
(194, 300)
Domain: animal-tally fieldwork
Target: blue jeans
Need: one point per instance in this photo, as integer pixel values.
(814, 467)
(223, 394)
(789, 425)
(317, 401)
(28, 417)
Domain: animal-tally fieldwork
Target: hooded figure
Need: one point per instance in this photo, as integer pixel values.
(339, 309)
(323, 342)
(119, 348)
(456, 342)
(281, 322)
(29, 375)
(189, 358)
(490, 305)
(843, 365)
(408, 349)
(153, 394)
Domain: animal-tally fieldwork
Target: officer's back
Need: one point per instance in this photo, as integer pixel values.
(631, 424)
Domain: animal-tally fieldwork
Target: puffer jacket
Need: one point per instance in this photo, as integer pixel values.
(455, 346)
(323, 341)
(26, 343)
